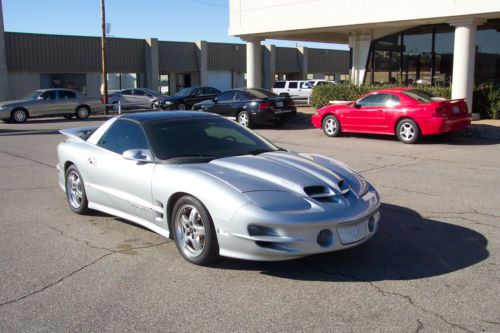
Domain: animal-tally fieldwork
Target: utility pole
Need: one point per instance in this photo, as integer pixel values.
(103, 57)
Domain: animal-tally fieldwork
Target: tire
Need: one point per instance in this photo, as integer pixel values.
(19, 116)
(194, 232)
(331, 126)
(407, 131)
(181, 106)
(155, 106)
(82, 112)
(68, 116)
(244, 119)
(115, 106)
(75, 191)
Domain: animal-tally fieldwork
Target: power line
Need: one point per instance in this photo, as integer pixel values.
(210, 4)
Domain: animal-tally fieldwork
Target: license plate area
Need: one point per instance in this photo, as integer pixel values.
(352, 232)
(282, 111)
(455, 110)
(279, 104)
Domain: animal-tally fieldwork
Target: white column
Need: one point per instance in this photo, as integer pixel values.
(202, 54)
(4, 84)
(269, 66)
(254, 63)
(152, 64)
(360, 44)
(464, 56)
(304, 61)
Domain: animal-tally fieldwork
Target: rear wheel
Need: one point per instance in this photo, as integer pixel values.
(19, 116)
(331, 126)
(194, 232)
(407, 131)
(82, 112)
(244, 119)
(75, 191)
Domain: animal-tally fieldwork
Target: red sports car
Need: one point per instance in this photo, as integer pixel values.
(409, 113)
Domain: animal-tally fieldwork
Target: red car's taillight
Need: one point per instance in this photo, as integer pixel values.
(439, 112)
(264, 105)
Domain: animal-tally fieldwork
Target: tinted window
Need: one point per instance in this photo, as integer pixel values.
(124, 135)
(211, 91)
(64, 94)
(241, 97)
(279, 84)
(305, 85)
(127, 92)
(139, 93)
(292, 85)
(226, 96)
(198, 91)
(393, 100)
(49, 95)
(203, 137)
(374, 100)
(260, 93)
(419, 95)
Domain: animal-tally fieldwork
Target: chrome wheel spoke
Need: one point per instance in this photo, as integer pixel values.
(190, 231)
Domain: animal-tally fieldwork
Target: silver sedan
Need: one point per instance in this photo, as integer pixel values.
(50, 102)
(215, 187)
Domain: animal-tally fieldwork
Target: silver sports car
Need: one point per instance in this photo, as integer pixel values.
(215, 187)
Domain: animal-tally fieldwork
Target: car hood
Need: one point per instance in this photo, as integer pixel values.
(301, 174)
(19, 101)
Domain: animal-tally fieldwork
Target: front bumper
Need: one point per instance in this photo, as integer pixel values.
(271, 236)
(316, 120)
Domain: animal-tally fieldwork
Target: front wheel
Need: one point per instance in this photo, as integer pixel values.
(408, 131)
(244, 119)
(19, 116)
(331, 126)
(75, 191)
(194, 232)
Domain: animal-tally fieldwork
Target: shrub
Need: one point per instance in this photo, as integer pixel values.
(486, 97)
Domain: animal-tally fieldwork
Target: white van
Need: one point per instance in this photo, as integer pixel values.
(297, 89)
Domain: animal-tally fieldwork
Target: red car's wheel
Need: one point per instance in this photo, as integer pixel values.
(331, 126)
(408, 131)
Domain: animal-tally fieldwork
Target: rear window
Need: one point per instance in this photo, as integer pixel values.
(419, 95)
(260, 93)
(279, 84)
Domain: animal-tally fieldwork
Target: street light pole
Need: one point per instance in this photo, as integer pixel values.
(103, 57)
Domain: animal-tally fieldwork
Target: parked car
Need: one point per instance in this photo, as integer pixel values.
(50, 102)
(296, 89)
(215, 188)
(409, 113)
(185, 98)
(134, 98)
(315, 83)
(249, 106)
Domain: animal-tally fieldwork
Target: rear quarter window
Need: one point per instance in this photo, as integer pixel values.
(279, 84)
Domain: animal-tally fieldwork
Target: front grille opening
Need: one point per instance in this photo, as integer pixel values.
(315, 190)
(328, 198)
(274, 246)
(260, 230)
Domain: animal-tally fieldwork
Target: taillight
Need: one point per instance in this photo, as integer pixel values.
(439, 112)
(264, 105)
(290, 102)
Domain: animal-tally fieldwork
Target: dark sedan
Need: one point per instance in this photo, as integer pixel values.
(185, 98)
(251, 106)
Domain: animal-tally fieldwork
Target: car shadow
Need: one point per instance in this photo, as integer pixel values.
(407, 247)
(11, 132)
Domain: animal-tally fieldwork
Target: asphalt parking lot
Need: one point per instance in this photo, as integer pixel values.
(434, 265)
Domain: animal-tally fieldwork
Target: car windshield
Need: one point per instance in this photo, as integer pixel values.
(420, 95)
(33, 94)
(184, 92)
(204, 137)
(261, 93)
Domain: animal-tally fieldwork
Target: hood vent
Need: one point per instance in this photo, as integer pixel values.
(314, 191)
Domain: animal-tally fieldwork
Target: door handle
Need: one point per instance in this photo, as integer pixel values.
(92, 161)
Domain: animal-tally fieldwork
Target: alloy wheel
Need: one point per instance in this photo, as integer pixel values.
(190, 231)
(406, 131)
(19, 116)
(330, 126)
(243, 119)
(74, 189)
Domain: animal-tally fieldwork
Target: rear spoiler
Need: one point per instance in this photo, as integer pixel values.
(79, 133)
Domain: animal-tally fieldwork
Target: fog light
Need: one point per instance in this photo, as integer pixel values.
(325, 238)
(372, 223)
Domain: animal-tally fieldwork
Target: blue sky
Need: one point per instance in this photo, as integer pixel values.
(174, 20)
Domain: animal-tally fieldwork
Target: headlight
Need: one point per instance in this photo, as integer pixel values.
(2, 107)
(167, 102)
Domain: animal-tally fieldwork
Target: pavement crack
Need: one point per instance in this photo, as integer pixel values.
(410, 191)
(420, 326)
(384, 293)
(388, 165)
(80, 240)
(58, 281)
(462, 218)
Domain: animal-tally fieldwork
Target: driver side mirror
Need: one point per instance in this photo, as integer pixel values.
(215, 99)
(39, 98)
(356, 105)
(138, 155)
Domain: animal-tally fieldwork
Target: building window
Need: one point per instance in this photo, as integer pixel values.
(488, 53)
(330, 77)
(164, 84)
(68, 81)
(309, 76)
(119, 81)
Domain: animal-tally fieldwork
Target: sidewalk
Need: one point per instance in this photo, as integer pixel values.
(487, 129)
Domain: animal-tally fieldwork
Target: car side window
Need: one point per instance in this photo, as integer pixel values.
(240, 97)
(305, 85)
(393, 100)
(48, 95)
(139, 92)
(226, 97)
(64, 94)
(211, 91)
(374, 100)
(123, 135)
(198, 92)
(292, 85)
(127, 92)
(279, 84)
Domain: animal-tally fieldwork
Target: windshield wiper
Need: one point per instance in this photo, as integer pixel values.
(193, 155)
(261, 151)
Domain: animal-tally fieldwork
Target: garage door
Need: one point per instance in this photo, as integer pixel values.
(220, 80)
